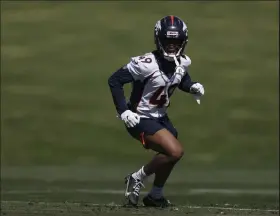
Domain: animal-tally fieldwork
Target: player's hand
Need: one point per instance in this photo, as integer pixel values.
(130, 118)
(197, 89)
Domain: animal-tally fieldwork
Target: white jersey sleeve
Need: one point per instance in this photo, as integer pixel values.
(185, 61)
(141, 67)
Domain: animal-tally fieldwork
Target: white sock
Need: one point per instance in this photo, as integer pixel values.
(156, 192)
(140, 174)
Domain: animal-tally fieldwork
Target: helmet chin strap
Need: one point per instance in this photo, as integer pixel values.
(171, 57)
(168, 58)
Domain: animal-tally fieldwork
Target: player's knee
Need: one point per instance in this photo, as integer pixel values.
(176, 154)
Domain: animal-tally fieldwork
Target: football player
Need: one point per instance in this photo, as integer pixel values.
(154, 77)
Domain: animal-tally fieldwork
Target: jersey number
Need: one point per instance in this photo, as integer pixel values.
(160, 99)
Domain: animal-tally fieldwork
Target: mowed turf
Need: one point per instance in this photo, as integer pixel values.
(59, 134)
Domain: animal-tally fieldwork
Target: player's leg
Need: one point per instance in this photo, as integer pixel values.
(161, 176)
(155, 197)
(169, 148)
(170, 153)
(162, 164)
(162, 173)
(160, 140)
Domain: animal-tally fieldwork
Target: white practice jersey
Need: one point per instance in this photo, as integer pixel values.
(153, 87)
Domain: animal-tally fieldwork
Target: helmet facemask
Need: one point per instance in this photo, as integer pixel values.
(171, 47)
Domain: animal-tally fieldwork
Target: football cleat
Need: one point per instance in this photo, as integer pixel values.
(133, 187)
(149, 201)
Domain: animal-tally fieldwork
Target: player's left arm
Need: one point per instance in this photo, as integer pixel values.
(186, 84)
(189, 86)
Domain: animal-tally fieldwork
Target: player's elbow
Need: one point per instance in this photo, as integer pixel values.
(112, 82)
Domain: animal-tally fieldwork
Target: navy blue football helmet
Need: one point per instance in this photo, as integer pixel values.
(171, 37)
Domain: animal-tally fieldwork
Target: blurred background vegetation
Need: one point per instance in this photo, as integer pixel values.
(57, 110)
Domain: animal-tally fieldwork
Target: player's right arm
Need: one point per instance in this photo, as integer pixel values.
(139, 68)
(116, 82)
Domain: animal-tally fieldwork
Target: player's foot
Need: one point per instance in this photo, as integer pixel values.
(133, 187)
(149, 201)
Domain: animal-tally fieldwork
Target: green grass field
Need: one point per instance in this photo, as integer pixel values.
(63, 151)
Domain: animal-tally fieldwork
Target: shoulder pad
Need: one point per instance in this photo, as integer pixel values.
(142, 66)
